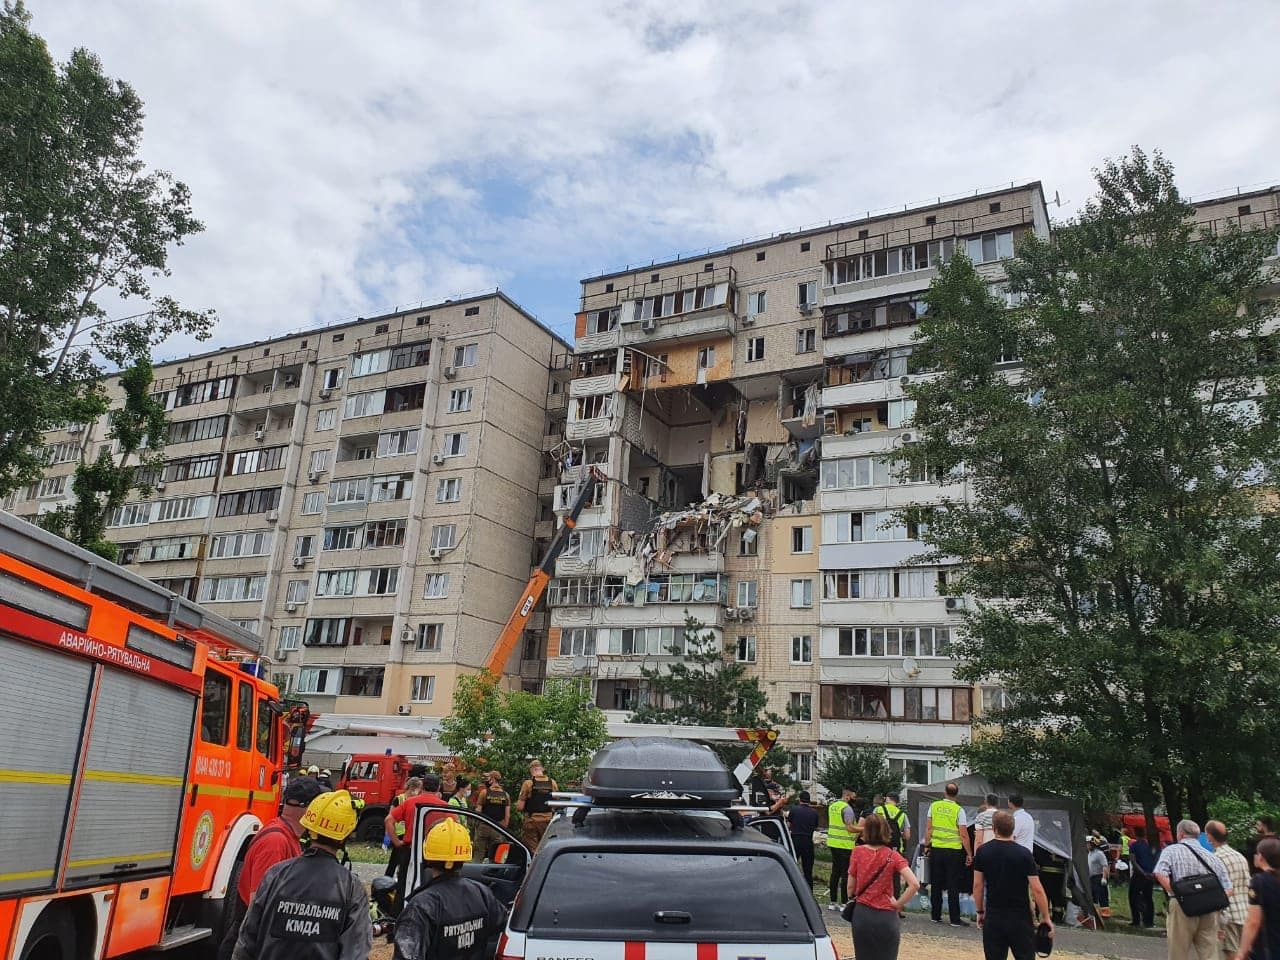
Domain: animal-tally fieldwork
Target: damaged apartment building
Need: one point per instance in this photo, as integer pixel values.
(746, 406)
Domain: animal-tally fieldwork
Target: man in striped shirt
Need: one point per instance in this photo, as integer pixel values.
(1231, 920)
(1190, 938)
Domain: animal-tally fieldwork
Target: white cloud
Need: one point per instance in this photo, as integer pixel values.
(349, 158)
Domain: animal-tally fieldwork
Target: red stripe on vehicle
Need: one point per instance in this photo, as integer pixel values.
(633, 950)
(707, 951)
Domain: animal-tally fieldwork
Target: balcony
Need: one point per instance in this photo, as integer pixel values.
(547, 486)
(285, 397)
(593, 429)
(590, 386)
(899, 733)
(550, 441)
(557, 403)
(685, 308)
(544, 530)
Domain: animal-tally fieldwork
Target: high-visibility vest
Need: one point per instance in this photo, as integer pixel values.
(945, 815)
(838, 835)
(400, 825)
(1124, 844)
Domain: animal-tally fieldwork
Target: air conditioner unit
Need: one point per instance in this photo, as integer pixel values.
(450, 372)
(290, 608)
(908, 438)
(904, 381)
(404, 709)
(437, 458)
(300, 561)
(956, 604)
(748, 321)
(806, 308)
(259, 434)
(273, 516)
(436, 553)
(648, 324)
(731, 613)
(159, 484)
(747, 613)
(325, 393)
(75, 427)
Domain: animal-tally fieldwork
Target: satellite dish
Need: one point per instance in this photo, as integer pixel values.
(911, 667)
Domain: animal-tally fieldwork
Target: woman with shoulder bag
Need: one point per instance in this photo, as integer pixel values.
(876, 926)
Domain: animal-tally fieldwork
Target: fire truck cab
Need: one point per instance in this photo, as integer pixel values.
(142, 751)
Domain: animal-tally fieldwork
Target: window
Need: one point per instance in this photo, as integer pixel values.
(746, 652)
(759, 255)
(871, 525)
(995, 698)
(362, 681)
(396, 486)
(443, 536)
(51, 486)
(755, 349)
(364, 404)
(397, 442)
(290, 638)
(331, 379)
(471, 312)
(382, 581)
(807, 293)
(172, 548)
(602, 321)
(256, 461)
(187, 508)
(326, 631)
(900, 413)
(464, 355)
(800, 708)
(313, 503)
(131, 515)
(244, 717)
(578, 642)
(746, 593)
(423, 689)
(189, 431)
(807, 340)
(318, 680)
(748, 543)
(326, 418)
(296, 592)
(191, 468)
(455, 445)
(252, 543)
(449, 490)
(755, 303)
(349, 491)
(304, 545)
(252, 624)
(62, 452)
(802, 649)
(336, 583)
(706, 358)
(225, 589)
(363, 364)
(802, 539)
(594, 407)
(802, 762)
(384, 533)
(215, 710)
(460, 400)
(428, 639)
(893, 641)
(437, 586)
(248, 501)
(989, 247)
(801, 594)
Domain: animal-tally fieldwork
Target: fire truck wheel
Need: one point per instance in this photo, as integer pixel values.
(52, 938)
(370, 829)
(223, 917)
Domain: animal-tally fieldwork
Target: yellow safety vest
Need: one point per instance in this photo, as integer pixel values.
(400, 825)
(838, 835)
(1124, 845)
(945, 815)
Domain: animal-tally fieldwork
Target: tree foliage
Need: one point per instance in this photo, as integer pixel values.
(138, 428)
(862, 767)
(495, 729)
(82, 221)
(1116, 533)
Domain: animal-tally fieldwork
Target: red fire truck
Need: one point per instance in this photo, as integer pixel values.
(139, 753)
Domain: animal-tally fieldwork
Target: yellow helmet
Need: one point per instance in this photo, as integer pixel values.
(447, 842)
(331, 815)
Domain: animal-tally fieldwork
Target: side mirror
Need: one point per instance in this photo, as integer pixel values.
(501, 853)
(384, 895)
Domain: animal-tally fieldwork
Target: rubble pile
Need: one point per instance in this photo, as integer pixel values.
(699, 528)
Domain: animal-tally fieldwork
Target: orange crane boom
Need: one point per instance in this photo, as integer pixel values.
(537, 585)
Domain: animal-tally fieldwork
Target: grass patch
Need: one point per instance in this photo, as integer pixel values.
(367, 853)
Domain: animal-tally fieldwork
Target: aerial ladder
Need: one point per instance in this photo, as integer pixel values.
(509, 638)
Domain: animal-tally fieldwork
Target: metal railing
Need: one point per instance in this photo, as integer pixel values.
(942, 230)
(655, 288)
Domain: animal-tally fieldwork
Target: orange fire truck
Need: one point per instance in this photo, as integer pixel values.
(139, 753)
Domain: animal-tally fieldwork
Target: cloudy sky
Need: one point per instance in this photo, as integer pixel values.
(351, 158)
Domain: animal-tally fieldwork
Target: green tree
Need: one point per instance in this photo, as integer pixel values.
(138, 428)
(864, 767)
(1127, 581)
(81, 221)
(493, 728)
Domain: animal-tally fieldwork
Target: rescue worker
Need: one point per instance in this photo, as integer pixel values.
(840, 836)
(326, 778)
(535, 804)
(449, 917)
(400, 853)
(895, 819)
(276, 842)
(311, 907)
(493, 803)
(461, 795)
(946, 838)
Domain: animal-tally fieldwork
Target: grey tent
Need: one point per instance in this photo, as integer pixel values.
(1059, 823)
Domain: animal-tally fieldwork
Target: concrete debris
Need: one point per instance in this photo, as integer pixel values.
(699, 528)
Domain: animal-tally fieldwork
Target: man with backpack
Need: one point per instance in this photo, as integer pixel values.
(899, 828)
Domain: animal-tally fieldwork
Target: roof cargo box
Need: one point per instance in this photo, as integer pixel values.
(659, 772)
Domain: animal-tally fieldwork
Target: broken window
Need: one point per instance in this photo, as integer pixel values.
(802, 649)
(748, 543)
(807, 340)
(464, 355)
(746, 651)
(591, 408)
(578, 642)
(655, 367)
(706, 358)
(855, 702)
(807, 293)
(755, 349)
(602, 321)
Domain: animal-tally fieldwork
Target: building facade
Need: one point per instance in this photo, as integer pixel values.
(364, 495)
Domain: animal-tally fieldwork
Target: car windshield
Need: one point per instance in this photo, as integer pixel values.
(668, 896)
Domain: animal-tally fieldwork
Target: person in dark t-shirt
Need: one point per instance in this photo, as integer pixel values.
(802, 820)
(1261, 937)
(1004, 879)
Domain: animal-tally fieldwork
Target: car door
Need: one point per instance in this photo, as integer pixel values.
(501, 865)
(776, 830)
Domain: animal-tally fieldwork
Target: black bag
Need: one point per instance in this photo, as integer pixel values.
(895, 828)
(1202, 893)
(846, 914)
(1044, 940)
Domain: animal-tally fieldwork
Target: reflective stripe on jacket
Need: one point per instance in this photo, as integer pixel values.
(838, 835)
(945, 815)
